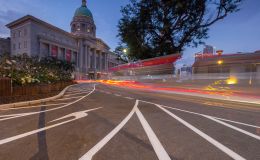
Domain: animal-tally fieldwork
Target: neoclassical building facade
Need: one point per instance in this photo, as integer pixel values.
(81, 46)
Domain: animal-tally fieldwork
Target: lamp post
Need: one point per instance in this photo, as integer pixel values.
(220, 62)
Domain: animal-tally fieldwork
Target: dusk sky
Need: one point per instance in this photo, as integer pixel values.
(240, 32)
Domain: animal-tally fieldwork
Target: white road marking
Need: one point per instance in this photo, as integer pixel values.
(129, 98)
(12, 116)
(216, 119)
(157, 146)
(220, 146)
(33, 107)
(207, 116)
(76, 115)
(76, 91)
(106, 139)
(118, 95)
(61, 99)
(241, 123)
(245, 124)
(73, 94)
(233, 127)
(160, 151)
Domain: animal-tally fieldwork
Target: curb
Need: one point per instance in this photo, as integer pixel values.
(21, 104)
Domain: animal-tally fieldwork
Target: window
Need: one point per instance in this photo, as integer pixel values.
(25, 44)
(25, 32)
(19, 46)
(14, 47)
(20, 33)
(14, 35)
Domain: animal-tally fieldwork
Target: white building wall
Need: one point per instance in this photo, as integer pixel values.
(21, 35)
(53, 35)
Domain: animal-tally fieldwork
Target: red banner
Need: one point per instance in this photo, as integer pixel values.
(54, 51)
(68, 55)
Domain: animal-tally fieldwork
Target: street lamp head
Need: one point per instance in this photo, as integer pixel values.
(220, 62)
(124, 50)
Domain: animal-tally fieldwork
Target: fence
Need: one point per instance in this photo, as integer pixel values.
(5, 87)
(29, 90)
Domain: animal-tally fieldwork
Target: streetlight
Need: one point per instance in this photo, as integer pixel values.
(219, 62)
(125, 50)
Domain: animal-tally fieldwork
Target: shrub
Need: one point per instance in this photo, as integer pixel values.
(32, 70)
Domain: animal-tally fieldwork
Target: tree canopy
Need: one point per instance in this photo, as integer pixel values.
(152, 28)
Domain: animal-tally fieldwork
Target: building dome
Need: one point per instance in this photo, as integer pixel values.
(83, 10)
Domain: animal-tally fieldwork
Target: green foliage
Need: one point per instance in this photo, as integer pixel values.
(152, 28)
(25, 70)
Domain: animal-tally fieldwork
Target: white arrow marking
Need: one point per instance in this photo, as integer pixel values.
(76, 115)
(12, 116)
(159, 150)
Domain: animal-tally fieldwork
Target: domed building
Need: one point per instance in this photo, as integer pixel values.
(81, 46)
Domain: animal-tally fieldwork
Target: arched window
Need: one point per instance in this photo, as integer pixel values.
(83, 27)
(78, 27)
(73, 28)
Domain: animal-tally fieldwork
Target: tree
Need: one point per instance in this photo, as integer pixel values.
(123, 56)
(152, 28)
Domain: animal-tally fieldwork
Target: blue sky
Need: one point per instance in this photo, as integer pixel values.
(240, 32)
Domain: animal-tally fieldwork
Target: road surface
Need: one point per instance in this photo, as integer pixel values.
(99, 122)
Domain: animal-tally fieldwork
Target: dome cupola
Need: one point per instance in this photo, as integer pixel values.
(83, 24)
(83, 10)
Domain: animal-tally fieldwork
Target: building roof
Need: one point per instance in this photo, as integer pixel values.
(34, 19)
(83, 10)
(237, 58)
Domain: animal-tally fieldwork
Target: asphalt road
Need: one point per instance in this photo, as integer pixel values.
(101, 122)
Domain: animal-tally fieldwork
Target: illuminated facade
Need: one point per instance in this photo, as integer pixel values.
(227, 63)
(38, 38)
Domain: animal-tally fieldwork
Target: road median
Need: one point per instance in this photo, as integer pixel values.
(34, 102)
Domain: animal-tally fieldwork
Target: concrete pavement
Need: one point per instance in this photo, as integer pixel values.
(103, 122)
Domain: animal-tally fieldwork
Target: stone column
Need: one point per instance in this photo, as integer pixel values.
(100, 61)
(106, 62)
(95, 64)
(88, 57)
(40, 49)
(81, 52)
(49, 50)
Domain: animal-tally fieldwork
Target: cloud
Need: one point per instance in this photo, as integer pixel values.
(5, 18)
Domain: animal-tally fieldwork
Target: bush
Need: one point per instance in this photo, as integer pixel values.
(32, 70)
